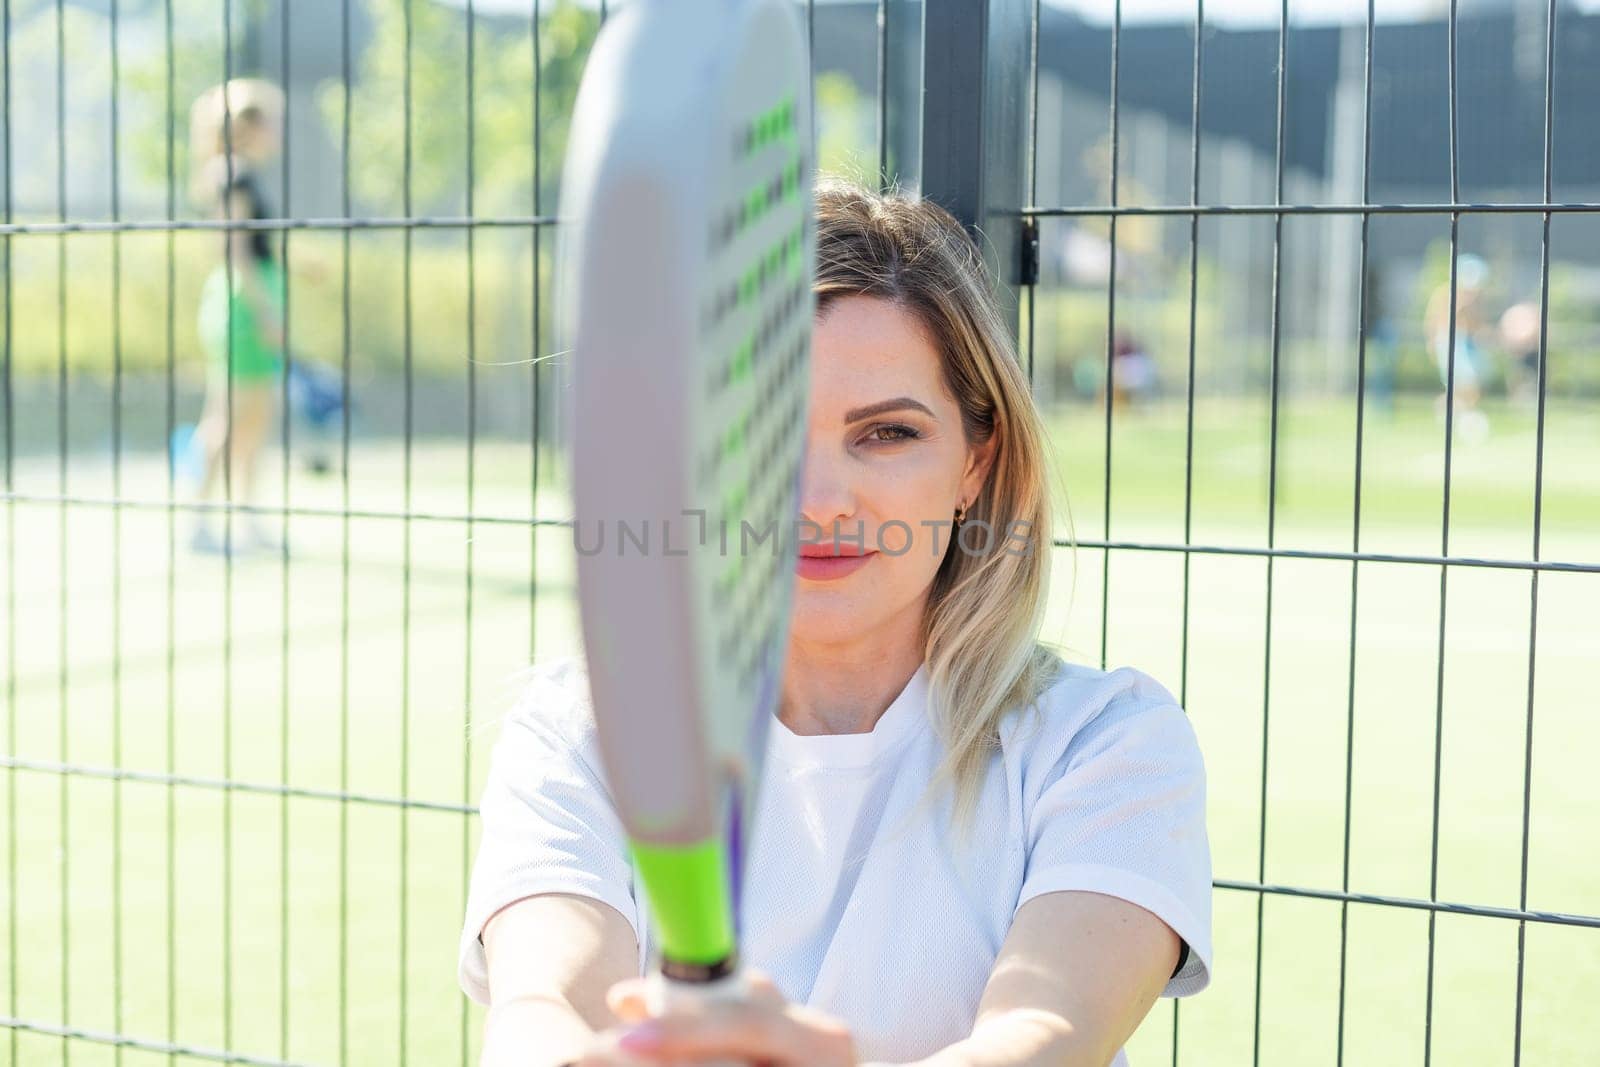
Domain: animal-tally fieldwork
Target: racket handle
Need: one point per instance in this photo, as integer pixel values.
(663, 994)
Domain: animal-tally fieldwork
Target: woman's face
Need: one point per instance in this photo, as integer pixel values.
(256, 137)
(886, 465)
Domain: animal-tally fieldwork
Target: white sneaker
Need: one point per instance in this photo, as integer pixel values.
(1474, 425)
(206, 542)
(258, 537)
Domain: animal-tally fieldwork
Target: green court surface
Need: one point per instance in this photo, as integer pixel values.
(400, 642)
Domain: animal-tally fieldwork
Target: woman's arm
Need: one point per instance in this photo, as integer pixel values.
(1077, 974)
(551, 959)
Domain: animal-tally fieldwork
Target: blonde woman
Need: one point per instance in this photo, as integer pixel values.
(242, 304)
(968, 850)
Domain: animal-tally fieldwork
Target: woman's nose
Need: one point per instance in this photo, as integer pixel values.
(826, 492)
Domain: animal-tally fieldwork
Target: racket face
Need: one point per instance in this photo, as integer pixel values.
(687, 261)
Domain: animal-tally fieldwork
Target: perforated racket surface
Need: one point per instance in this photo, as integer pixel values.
(685, 288)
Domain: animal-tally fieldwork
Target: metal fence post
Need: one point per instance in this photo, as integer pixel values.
(974, 145)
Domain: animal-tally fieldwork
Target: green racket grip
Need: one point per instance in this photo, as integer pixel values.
(688, 890)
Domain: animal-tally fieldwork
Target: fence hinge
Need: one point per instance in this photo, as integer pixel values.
(1029, 249)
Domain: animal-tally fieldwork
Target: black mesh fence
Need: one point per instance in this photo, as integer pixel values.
(1311, 303)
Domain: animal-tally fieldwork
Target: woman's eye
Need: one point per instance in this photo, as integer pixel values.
(895, 431)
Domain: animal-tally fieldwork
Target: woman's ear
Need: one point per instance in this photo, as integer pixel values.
(980, 459)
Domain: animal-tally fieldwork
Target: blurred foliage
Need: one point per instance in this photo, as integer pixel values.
(1069, 334)
(501, 127)
(503, 152)
(1136, 235)
(40, 52)
(846, 128)
(503, 101)
(93, 335)
(1152, 308)
(196, 63)
(1070, 327)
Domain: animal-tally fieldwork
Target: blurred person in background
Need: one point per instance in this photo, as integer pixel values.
(1469, 357)
(241, 314)
(1520, 334)
(1382, 342)
(1133, 371)
(1133, 374)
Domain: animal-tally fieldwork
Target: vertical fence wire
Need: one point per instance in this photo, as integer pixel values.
(171, 663)
(344, 545)
(285, 29)
(811, 60)
(61, 518)
(1538, 510)
(11, 562)
(536, 240)
(1111, 325)
(472, 441)
(116, 546)
(1355, 522)
(407, 325)
(1032, 148)
(230, 241)
(1188, 429)
(1274, 388)
(882, 115)
(536, 363)
(1444, 539)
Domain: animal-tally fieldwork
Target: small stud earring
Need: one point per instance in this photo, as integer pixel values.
(961, 514)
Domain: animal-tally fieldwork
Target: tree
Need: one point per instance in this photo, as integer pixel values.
(503, 90)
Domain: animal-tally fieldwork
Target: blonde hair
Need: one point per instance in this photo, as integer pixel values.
(985, 609)
(214, 120)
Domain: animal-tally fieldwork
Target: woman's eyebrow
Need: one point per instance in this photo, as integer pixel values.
(897, 404)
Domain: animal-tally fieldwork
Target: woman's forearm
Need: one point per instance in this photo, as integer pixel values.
(533, 1032)
(1020, 1038)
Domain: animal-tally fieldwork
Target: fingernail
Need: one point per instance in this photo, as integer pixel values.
(646, 1037)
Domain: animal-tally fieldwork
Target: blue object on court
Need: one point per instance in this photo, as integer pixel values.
(185, 454)
(315, 391)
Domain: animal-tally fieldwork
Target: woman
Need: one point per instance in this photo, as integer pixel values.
(242, 303)
(1468, 358)
(1062, 880)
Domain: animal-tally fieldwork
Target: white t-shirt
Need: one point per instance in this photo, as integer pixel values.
(855, 902)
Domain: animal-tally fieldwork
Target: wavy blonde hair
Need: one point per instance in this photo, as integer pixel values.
(984, 610)
(214, 116)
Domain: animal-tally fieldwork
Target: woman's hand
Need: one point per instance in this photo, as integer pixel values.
(763, 1029)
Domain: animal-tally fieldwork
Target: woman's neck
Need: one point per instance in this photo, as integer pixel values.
(845, 689)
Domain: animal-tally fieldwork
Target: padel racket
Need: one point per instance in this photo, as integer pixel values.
(684, 286)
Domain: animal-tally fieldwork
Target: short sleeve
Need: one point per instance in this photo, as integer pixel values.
(548, 822)
(1122, 812)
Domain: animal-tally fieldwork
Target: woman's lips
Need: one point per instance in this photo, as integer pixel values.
(829, 568)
